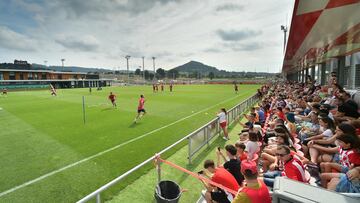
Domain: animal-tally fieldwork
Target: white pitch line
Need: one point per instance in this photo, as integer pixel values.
(105, 151)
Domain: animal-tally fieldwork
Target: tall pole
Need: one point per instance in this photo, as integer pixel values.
(153, 58)
(284, 29)
(127, 67)
(143, 67)
(62, 63)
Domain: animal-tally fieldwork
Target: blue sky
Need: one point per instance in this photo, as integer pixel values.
(235, 35)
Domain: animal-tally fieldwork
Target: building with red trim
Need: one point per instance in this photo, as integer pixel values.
(324, 37)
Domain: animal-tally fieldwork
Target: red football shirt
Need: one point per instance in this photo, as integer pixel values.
(225, 178)
(112, 97)
(141, 103)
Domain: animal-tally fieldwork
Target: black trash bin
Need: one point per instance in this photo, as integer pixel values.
(167, 191)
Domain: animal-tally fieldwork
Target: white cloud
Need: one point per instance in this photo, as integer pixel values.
(98, 33)
(14, 41)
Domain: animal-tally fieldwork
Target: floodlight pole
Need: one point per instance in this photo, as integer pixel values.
(62, 63)
(284, 29)
(143, 67)
(127, 67)
(153, 58)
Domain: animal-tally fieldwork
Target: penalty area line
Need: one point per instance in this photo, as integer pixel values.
(106, 151)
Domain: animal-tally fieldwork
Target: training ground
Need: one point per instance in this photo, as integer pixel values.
(48, 154)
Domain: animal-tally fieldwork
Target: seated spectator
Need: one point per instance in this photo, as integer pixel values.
(241, 154)
(252, 146)
(348, 109)
(346, 183)
(232, 164)
(255, 190)
(221, 176)
(292, 167)
(328, 129)
(349, 146)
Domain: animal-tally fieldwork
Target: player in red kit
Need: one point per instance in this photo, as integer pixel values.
(112, 98)
(141, 110)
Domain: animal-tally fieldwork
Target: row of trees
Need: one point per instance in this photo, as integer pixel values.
(160, 74)
(174, 74)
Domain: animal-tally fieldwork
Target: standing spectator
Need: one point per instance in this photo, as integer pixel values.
(223, 124)
(232, 164)
(255, 190)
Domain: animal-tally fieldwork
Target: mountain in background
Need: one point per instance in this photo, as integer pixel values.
(194, 66)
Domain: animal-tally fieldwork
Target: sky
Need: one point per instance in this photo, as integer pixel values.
(233, 35)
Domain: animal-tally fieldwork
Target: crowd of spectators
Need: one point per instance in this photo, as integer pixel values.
(304, 131)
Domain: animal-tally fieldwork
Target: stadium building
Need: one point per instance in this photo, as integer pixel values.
(21, 74)
(324, 37)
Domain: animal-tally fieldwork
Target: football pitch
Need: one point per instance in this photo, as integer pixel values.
(48, 154)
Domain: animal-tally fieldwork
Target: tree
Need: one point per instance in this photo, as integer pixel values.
(160, 73)
(147, 75)
(211, 75)
(137, 71)
(173, 74)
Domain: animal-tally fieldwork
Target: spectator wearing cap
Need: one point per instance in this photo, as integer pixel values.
(221, 176)
(231, 163)
(255, 190)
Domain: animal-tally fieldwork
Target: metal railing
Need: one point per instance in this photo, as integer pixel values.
(196, 140)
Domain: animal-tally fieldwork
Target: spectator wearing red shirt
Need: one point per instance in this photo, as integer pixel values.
(255, 190)
(241, 151)
(221, 176)
(280, 113)
(292, 167)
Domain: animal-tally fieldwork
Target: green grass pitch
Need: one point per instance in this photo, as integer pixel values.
(41, 135)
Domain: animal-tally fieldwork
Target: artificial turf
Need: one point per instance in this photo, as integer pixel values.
(40, 133)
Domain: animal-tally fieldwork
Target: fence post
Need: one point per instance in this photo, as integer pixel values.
(98, 198)
(159, 171)
(189, 157)
(206, 132)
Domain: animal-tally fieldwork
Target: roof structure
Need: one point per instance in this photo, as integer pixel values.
(321, 30)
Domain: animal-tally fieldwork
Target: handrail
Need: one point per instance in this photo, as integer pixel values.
(97, 192)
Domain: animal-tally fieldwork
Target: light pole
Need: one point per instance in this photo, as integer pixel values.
(153, 58)
(127, 67)
(62, 62)
(143, 58)
(284, 29)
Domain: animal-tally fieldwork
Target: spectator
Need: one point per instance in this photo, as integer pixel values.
(221, 176)
(232, 164)
(293, 168)
(255, 190)
(240, 147)
(223, 124)
(252, 146)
